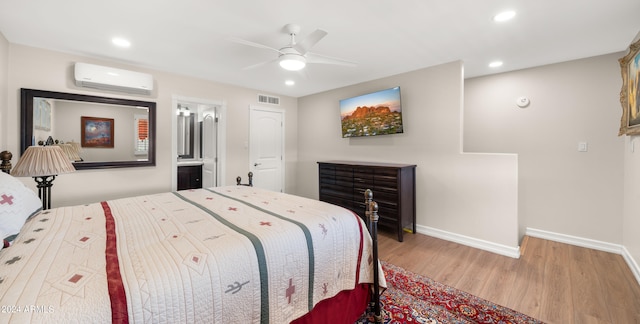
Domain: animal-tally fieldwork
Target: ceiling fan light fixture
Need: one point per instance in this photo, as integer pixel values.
(292, 62)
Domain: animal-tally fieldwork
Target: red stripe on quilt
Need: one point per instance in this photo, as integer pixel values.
(119, 312)
(360, 250)
(347, 305)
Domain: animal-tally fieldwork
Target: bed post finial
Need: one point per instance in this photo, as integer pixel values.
(5, 166)
(374, 211)
(368, 195)
(239, 180)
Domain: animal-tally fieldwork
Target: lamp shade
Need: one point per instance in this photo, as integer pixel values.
(38, 161)
(72, 152)
(292, 62)
(77, 149)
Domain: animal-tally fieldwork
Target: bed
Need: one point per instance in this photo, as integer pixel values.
(234, 254)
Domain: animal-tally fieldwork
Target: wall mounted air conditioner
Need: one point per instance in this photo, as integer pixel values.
(107, 78)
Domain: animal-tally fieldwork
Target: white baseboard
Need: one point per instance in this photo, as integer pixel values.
(513, 252)
(575, 240)
(633, 265)
(588, 243)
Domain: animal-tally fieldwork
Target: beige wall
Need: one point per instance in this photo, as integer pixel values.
(631, 218)
(468, 198)
(4, 101)
(561, 190)
(46, 70)
(583, 198)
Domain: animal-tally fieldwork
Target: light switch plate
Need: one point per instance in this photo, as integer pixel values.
(583, 146)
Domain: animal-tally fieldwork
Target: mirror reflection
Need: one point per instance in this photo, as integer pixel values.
(185, 131)
(96, 132)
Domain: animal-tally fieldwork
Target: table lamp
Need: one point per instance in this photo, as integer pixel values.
(43, 163)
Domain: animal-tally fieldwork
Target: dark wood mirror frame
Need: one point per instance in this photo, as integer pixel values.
(26, 124)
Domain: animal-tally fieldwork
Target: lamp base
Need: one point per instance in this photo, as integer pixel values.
(44, 184)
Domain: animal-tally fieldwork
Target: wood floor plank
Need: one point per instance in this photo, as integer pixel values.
(501, 278)
(526, 293)
(452, 264)
(557, 286)
(551, 281)
(587, 286)
(474, 278)
(616, 287)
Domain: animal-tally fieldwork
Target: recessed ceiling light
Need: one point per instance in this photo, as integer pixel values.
(120, 42)
(504, 16)
(289, 82)
(495, 64)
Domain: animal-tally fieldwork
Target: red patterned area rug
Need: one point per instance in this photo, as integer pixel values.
(411, 298)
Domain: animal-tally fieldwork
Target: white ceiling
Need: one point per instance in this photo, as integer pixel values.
(385, 37)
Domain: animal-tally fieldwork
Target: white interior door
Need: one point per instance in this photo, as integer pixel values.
(266, 147)
(209, 149)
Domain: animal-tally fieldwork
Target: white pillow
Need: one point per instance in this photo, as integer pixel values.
(17, 204)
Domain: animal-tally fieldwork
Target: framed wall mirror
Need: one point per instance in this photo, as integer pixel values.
(97, 132)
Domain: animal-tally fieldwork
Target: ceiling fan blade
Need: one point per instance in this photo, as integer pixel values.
(323, 59)
(306, 44)
(251, 67)
(250, 43)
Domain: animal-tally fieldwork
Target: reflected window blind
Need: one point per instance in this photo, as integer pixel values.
(142, 143)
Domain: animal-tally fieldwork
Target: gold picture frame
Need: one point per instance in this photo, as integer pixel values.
(630, 92)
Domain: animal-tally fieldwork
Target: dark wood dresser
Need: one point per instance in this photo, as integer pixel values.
(343, 183)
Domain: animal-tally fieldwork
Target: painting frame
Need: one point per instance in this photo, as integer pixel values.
(630, 92)
(97, 132)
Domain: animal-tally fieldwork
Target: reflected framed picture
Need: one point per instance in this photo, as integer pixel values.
(96, 132)
(630, 92)
(41, 114)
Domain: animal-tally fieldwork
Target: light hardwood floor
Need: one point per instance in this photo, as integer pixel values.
(553, 282)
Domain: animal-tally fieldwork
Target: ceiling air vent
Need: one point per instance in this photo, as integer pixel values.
(268, 99)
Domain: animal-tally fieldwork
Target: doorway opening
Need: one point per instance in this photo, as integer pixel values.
(207, 138)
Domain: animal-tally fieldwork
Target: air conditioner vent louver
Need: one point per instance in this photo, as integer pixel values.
(111, 79)
(268, 99)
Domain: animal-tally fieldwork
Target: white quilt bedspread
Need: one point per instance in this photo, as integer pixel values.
(220, 255)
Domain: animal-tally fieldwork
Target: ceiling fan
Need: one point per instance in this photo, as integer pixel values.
(295, 55)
